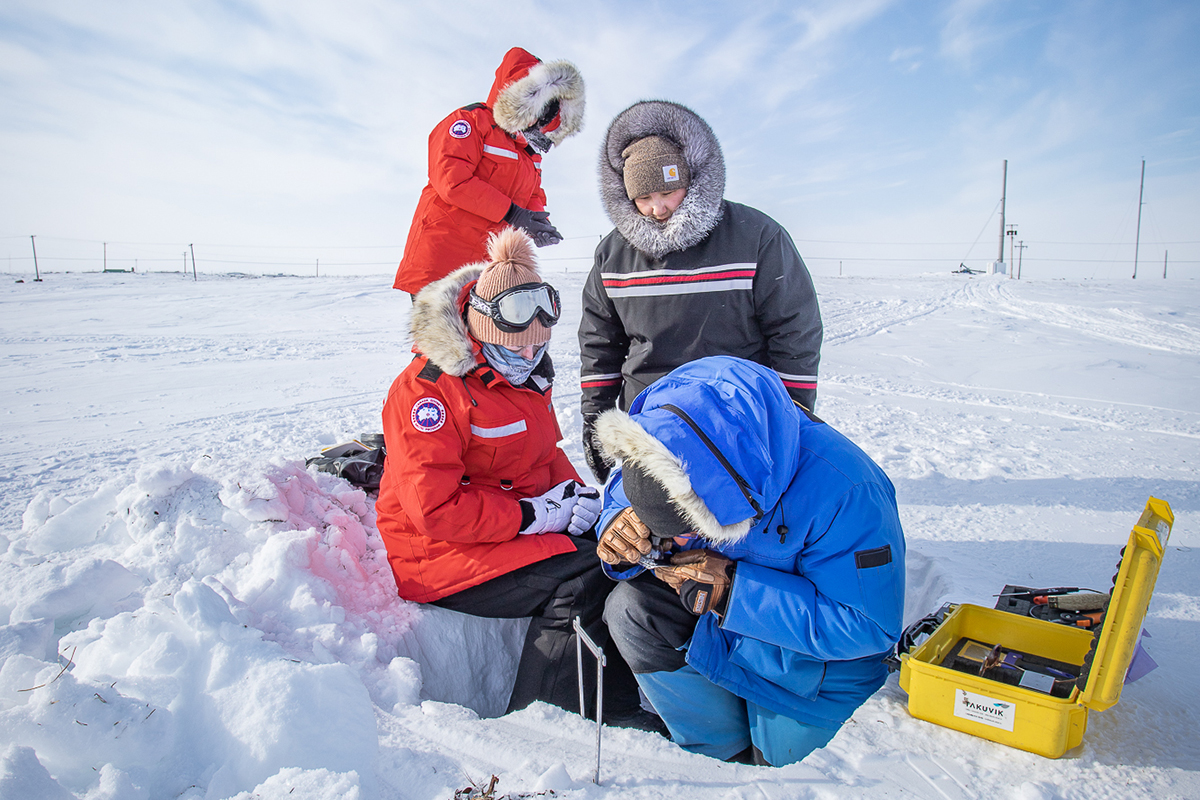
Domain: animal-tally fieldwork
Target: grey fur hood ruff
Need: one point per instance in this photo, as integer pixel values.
(438, 329)
(701, 209)
(623, 440)
(519, 104)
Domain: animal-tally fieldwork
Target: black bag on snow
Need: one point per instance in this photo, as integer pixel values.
(359, 461)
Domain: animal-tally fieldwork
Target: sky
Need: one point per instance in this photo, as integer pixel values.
(187, 612)
(291, 137)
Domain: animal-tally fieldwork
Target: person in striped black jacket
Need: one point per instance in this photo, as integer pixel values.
(686, 273)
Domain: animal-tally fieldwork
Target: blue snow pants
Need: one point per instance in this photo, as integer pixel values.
(651, 628)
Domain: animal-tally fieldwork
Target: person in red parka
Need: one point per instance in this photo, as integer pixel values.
(480, 510)
(485, 163)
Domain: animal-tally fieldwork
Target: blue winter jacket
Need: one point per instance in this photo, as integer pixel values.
(818, 594)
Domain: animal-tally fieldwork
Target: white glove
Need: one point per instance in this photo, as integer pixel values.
(587, 510)
(550, 512)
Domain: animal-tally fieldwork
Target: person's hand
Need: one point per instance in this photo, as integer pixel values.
(535, 223)
(591, 451)
(701, 577)
(550, 512)
(587, 509)
(625, 540)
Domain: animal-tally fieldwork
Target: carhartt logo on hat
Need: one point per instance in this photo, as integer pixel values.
(671, 173)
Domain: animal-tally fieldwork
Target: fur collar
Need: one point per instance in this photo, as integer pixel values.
(438, 329)
(519, 104)
(699, 212)
(622, 439)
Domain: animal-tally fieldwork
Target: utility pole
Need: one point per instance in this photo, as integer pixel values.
(1003, 200)
(1138, 241)
(106, 256)
(1020, 257)
(193, 249)
(1012, 237)
(1164, 265)
(37, 276)
(318, 267)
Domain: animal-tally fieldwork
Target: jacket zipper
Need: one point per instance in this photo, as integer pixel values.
(741, 482)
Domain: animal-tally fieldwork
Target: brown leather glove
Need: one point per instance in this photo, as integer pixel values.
(701, 577)
(625, 540)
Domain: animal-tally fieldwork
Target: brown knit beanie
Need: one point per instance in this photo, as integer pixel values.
(654, 164)
(511, 262)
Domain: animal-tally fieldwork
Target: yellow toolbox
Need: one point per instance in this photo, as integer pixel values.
(1060, 671)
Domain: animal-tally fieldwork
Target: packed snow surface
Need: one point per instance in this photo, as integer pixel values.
(187, 612)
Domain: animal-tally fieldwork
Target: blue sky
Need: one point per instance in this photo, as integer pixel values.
(273, 134)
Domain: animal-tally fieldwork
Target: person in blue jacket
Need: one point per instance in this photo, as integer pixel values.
(779, 583)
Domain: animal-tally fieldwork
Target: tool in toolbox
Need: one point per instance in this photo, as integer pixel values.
(1068, 605)
(1026, 673)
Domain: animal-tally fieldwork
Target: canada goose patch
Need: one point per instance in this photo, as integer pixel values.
(428, 414)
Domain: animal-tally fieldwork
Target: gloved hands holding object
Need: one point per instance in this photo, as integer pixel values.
(551, 512)
(625, 540)
(535, 223)
(587, 509)
(701, 577)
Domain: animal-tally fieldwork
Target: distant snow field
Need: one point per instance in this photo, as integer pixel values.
(187, 612)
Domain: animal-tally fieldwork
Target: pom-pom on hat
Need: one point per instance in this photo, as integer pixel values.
(511, 262)
(654, 164)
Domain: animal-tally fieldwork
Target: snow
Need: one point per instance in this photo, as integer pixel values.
(187, 612)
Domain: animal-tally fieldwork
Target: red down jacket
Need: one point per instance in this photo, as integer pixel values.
(479, 163)
(463, 446)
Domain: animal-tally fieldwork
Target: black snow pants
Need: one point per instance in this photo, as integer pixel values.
(552, 592)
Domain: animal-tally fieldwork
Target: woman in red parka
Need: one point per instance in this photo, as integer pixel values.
(485, 168)
(479, 508)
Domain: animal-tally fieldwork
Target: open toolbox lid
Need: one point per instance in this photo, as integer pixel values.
(1133, 585)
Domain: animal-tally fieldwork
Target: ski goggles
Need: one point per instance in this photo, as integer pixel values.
(515, 309)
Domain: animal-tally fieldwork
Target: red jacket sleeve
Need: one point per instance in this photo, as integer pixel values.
(455, 150)
(538, 202)
(431, 469)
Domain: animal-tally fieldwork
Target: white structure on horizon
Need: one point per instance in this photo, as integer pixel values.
(997, 268)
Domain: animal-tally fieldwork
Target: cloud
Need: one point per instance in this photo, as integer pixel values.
(964, 34)
(302, 122)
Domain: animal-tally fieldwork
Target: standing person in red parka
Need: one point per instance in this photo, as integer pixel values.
(485, 168)
(480, 510)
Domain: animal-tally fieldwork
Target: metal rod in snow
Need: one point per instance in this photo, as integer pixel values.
(1138, 240)
(37, 276)
(581, 638)
(193, 249)
(1164, 265)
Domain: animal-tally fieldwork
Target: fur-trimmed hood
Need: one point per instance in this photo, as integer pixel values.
(700, 210)
(720, 434)
(437, 324)
(623, 439)
(443, 331)
(524, 85)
